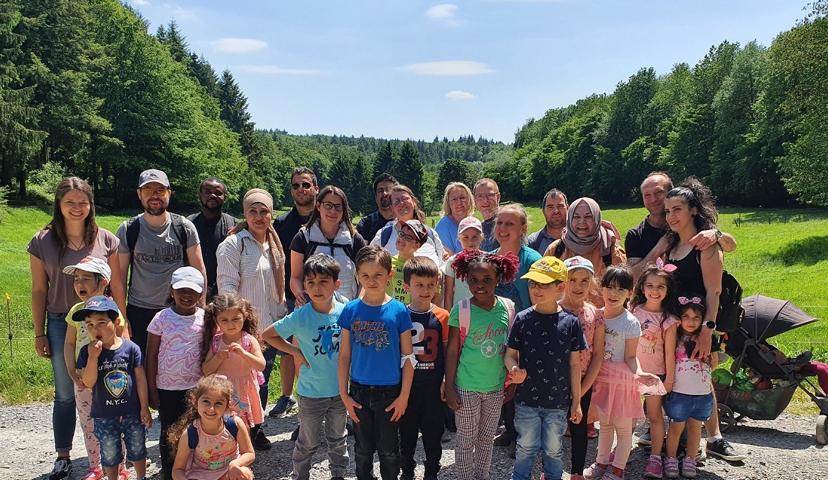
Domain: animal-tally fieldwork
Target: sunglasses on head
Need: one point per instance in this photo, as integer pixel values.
(305, 185)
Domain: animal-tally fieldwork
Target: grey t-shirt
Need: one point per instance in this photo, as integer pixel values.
(618, 331)
(157, 255)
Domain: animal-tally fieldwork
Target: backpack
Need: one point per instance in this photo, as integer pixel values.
(464, 316)
(560, 248)
(730, 307)
(312, 244)
(192, 431)
(133, 228)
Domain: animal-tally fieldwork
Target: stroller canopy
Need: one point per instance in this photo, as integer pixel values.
(767, 317)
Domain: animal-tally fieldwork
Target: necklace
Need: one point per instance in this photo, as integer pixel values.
(75, 245)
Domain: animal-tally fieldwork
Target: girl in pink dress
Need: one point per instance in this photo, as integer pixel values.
(656, 348)
(230, 348)
(209, 445)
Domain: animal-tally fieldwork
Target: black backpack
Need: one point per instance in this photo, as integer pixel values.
(133, 228)
(730, 307)
(311, 246)
(192, 431)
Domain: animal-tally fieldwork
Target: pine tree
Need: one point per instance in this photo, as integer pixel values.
(409, 170)
(174, 40)
(235, 115)
(384, 162)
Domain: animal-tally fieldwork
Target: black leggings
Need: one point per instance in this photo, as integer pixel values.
(578, 434)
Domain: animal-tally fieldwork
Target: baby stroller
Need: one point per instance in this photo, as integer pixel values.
(764, 318)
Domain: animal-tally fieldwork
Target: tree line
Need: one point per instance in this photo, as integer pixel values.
(85, 89)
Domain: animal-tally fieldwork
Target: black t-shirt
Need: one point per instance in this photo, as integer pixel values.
(427, 337)
(371, 224)
(641, 239)
(545, 342)
(286, 226)
(211, 235)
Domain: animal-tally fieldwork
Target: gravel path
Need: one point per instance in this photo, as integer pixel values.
(781, 449)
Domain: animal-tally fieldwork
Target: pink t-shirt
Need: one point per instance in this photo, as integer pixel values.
(651, 344)
(590, 317)
(179, 355)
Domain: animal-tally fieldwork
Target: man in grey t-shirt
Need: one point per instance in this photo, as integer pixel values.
(153, 245)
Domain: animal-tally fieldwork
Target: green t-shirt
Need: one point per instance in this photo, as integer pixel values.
(395, 286)
(481, 356)
(82, 337)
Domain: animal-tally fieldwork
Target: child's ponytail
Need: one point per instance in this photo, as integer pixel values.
(507, 264)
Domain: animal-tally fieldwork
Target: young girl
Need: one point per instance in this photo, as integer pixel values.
(230, 348)
(207, 444)
(615, 392)
(478, 330)
(173, 348)
(691, 401)
(656, 348)
(575, 300)
(470, 235)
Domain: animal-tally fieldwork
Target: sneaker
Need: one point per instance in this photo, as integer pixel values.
(294, 434)
(261, 442)
(671, 468)
(592, 432)
(61, 470)
(645, 439)
(94, 473)
(446, 438)
(654, 467)
(504, 439)
(688, 468)
(595, 471)
(123, 473)
(723, 449)
(407, 476)
(613, 473)
(283, 405)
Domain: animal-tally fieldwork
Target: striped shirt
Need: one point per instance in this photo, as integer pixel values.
(244, 269)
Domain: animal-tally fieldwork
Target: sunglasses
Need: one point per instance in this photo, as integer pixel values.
(304, 185)
(542, 286)
(332, 206)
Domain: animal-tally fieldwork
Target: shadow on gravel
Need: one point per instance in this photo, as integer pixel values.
(770, 438)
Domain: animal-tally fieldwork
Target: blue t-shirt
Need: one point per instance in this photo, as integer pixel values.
(447, 230)
(518, 291)
(375, 340)
(545, 342)
(114, 394)
(318, 335)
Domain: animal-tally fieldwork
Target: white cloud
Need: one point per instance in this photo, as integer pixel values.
(442, 11)
(181, 14)
(450, 68)
(141, 3)
(239, 45)
(460, 95)
(277, 71)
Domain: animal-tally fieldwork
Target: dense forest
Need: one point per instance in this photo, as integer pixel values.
(85, 89)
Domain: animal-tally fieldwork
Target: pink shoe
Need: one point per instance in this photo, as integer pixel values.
(94, 473)
(123, 473)
(592, 432)
(595, 471)
(654, 467)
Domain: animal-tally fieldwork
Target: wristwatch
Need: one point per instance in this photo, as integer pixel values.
(710, 324)
(719, 234)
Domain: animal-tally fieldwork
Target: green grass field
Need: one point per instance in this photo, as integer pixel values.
(781, 253)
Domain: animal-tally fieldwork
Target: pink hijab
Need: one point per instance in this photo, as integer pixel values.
(600, 237)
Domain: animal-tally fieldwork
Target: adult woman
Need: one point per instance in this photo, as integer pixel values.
(251, 264)
(458, 203)
(406, 207)
(587, 235)
(511, 225)
(71, 235)
(329, 230)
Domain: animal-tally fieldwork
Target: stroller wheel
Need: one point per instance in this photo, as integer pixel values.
(822, 430)
(727, 418)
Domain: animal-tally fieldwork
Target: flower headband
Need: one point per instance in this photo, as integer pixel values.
(694, 300)
(667, 267)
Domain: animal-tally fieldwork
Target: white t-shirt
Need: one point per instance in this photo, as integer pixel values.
(692, 376)
(618, 331)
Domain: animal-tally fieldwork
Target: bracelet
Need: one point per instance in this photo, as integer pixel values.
(39, 336)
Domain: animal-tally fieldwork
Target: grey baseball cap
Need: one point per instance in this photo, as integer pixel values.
(187, 277)
(153, 175)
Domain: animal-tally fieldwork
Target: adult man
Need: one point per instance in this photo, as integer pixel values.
(647, 242)
(554, 207)
(487, 200)
(373, 222)
(212, 226)
(153, 245)
(303, 190)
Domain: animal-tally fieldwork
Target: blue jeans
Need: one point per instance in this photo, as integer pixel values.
(109, 432)
(63, 410)
(538, 429)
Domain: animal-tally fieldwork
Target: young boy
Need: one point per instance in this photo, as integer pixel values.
(376, 357)
(543, 358)
(315, 327)
(90, 278)
(411, 235)
(120, 404)
(430, 335)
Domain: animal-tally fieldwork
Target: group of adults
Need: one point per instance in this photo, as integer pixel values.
(260, 258)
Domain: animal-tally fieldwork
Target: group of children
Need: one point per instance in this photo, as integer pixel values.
(391, 367)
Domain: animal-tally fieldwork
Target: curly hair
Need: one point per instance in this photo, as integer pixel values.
(218, 383)
(507, 265)
(696, 195)
(221, 303)
(668, 305)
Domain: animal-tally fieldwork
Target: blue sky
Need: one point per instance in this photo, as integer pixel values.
(413, 69)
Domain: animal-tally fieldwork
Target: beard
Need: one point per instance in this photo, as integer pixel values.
(215, 210)
(156, 212)
(385, 203)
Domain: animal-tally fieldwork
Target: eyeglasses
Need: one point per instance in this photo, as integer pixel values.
(401, 200)
(542, 286)
(407, 236)
(332, 206)
(304, 185)
(150, 190)
(491, 195)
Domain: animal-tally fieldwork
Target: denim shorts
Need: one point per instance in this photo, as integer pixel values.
(680, 407)
(109, 432)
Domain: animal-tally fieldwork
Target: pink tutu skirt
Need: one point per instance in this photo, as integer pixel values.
(616, 392)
